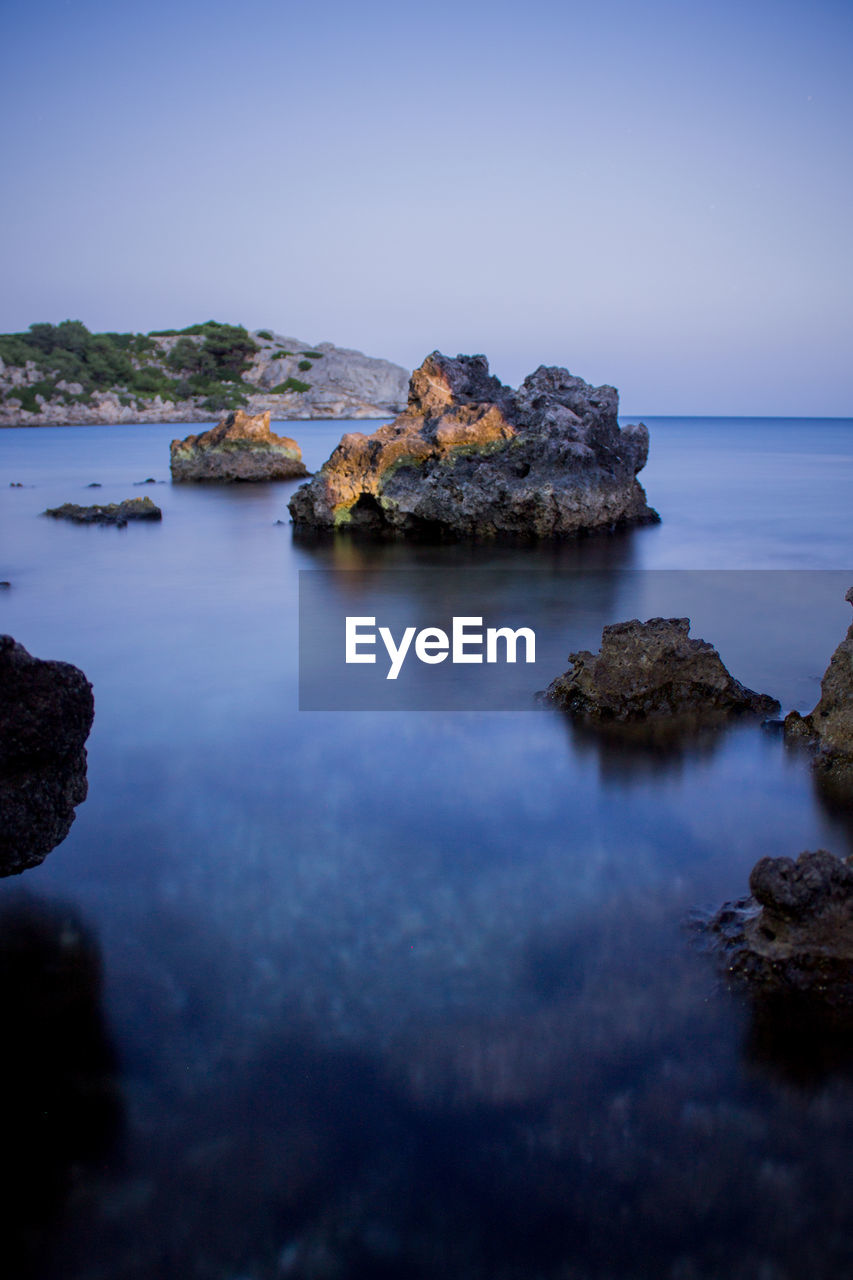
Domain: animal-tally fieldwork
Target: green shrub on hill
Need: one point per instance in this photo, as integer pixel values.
(290, 384)
(133, 363)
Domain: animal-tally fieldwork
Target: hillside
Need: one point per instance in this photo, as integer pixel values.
(63, 374)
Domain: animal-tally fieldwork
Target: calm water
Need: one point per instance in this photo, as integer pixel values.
(411, 994)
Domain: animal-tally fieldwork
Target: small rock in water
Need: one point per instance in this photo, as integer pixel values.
(793, 937)
(649, 671)
(138, 483)
(117, 513)
(15, 484)
(95, 484)
(240, 447)
(5, 584)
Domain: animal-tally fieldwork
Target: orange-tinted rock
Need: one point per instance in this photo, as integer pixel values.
(470, 456)
(240, 447)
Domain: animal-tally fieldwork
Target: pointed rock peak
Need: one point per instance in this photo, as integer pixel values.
(443, 381)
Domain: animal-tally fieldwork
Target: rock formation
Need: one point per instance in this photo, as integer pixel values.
(117, 513)
(794, 936)
(829, 727)
(46, 712)
(647, 671)
(240, 447)
(469, 456)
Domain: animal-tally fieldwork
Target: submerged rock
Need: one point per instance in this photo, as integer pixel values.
(117, 513)
(240, 447)
(829, 727)
(793, 937)
(46, 712)
(469, 456)
(652, 671)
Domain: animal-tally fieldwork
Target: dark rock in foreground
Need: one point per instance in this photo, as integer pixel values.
(469, 456)
(241, 447)
(117, 513)
(652, 671)
(793, 938)
(46, 712)
(829, 727)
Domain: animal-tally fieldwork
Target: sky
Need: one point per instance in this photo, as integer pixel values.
(657, 194)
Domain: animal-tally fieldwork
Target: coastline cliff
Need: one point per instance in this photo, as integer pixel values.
(63, 375)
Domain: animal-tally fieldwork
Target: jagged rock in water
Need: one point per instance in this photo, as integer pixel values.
(793, 937)
(240, 447)
(46, 712)
(117, 513)
(652, 671)
(471, 457)
(829, 727)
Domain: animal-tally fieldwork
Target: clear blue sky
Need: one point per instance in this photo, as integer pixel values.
(657, 195)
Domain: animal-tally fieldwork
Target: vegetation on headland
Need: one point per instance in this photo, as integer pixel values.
(291, 384)
(204, 362)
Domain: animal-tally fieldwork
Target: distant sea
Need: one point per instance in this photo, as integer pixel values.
(416, 993)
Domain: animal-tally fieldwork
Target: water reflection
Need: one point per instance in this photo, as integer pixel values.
(639, 753)
(60, 1106)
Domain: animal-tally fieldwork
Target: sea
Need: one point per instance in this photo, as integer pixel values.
(415, 989)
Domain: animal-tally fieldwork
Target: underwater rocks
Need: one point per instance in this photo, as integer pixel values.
(240, 447)
(829, 727)
(793, 937)
(117, 513)
(652, 671)
(46, 713)
(471, 457)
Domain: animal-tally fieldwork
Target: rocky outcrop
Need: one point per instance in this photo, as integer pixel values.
(652, 671)
(793, 937)
(829, 727)
(46, 712)
(470, 456)
(117, 513)
(240, 447)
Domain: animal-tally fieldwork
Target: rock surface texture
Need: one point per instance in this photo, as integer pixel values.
(240, 447)
(829, 728)
(793, 937)
(652, 671)
(117, 513)
(469, 456)
(46, 712)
